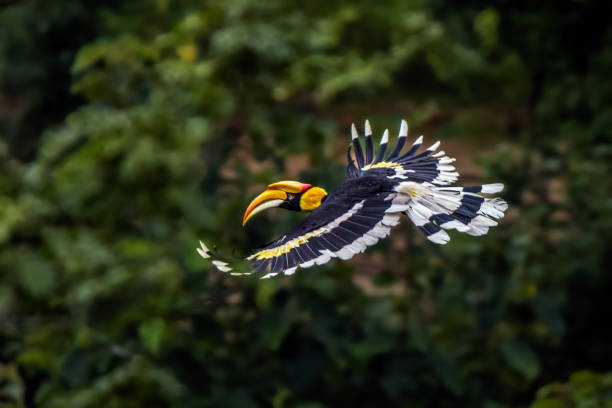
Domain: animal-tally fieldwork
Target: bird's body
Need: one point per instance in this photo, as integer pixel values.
(361, 210)
(341, 200)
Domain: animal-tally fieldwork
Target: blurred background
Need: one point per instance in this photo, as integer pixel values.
(130, 130)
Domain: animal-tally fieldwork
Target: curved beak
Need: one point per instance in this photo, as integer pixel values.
(267, 199)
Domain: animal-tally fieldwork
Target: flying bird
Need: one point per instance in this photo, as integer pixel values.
(378, 190)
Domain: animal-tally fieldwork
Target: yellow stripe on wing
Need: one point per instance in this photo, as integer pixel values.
(283, 248)
(288, 246)
(381, 164)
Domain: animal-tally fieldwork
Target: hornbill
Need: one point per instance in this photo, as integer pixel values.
(361, 210)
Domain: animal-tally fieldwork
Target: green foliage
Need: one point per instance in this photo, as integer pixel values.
(184, 109)
(38, 42)
(583, 390)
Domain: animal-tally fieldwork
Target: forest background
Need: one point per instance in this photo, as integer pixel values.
(129, 130)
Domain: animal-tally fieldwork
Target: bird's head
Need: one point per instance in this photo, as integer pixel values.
(291, 195)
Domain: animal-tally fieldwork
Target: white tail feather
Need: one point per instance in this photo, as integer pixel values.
(434, 209)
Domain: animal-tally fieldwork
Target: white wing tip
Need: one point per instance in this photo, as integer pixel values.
(440, 237)
(354, 134)
(368, 129)
(395, 208)
(307, 264)
(344, 253)
(434, 146)
(222, 266)
(322, 259)
(418, 141)
(459, 226)
(403, 129)
(439, 154)
(492, 188)
(385, 137)
(203, 251)
(328, 252)
(499, 205)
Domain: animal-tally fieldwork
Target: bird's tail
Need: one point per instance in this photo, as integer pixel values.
(435, 209)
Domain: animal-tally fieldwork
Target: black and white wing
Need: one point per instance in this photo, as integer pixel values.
(427, 166)
(431, 208)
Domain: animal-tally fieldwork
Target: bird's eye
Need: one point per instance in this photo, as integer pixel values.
(290, 196)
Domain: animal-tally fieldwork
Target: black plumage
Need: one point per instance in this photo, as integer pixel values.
(342, 199)
(357, 147)
(380, 155)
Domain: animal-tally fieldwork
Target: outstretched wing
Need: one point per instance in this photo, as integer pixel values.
(435, 168)
(333, 230)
